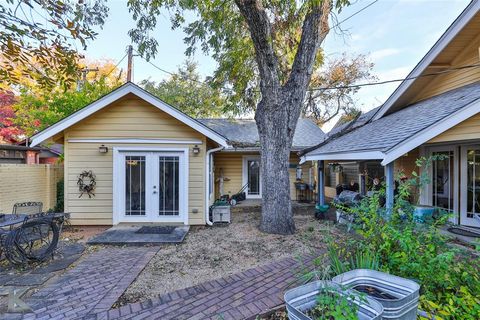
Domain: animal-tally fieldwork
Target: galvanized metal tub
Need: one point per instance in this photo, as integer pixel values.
(405, 293)
(303, 298)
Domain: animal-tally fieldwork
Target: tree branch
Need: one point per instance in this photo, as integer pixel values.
(315, 29)
(260, 31)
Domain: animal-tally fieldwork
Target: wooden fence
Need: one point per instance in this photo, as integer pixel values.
(29, 182)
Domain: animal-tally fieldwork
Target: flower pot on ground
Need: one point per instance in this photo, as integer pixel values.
(422, 213)
(329, 300)
(398, 296)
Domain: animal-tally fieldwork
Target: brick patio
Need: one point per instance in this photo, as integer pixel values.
(92, 286)
(240, 296)
(89, 290)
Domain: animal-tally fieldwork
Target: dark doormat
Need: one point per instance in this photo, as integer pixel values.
(464, 232)
(155, 230)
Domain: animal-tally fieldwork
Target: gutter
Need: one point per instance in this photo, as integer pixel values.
(207, 183)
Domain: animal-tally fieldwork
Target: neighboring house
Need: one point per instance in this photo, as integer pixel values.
(427, 114)
(20, 154)
(154, 163)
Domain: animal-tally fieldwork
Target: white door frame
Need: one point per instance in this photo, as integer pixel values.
(456, 189)
(464, 220)
(245, 160)
(119, 185)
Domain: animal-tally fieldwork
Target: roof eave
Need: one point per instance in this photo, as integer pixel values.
(118, 94)
(459, 23)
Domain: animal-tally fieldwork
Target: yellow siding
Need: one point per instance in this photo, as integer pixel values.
(22, 183)
(126, 118)
(231, 163)
(466, 130)
(456, 79)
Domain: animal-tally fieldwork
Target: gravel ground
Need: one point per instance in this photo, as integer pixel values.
(213, 252)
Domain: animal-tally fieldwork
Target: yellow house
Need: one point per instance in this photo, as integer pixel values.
(436, 110)
(154, 164)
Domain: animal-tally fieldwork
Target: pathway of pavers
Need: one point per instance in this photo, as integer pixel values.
(92, 286)
(240, 296)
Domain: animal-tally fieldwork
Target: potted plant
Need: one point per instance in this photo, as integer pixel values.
(326, 300)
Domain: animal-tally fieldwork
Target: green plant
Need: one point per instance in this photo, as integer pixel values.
(59, 204)
(334, 305)
(450, 280)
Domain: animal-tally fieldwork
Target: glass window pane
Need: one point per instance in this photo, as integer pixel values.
(169, 198)
(253, 177)
(442, 181)
(473, 182)
(135, 185)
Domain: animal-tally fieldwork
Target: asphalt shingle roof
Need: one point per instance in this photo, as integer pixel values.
(385, 133)
(244, 133)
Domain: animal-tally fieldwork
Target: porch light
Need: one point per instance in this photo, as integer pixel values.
(196, 150)
(103, 149)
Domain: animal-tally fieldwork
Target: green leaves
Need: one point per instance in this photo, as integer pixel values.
(186, 91)
(38, 39)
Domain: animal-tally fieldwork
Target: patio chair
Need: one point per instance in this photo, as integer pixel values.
(28, 208)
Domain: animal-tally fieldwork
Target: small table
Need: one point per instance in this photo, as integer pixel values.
(9, 220)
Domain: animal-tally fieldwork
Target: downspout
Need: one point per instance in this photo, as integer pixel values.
(207, 183)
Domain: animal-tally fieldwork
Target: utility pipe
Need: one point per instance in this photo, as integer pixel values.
(207, 183)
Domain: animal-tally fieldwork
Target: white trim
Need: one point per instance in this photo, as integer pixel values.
(362, 155)
(432, 131)
(134, 141)
(245, 160)
(208, 158)
(452, 31)
(116, 95)
(464, 220)
(118, 182)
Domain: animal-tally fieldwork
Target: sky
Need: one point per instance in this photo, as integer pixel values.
(395, 35)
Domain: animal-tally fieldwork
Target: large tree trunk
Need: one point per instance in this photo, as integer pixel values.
(279, 109)
(275, 139)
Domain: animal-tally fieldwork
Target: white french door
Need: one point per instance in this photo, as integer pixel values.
(442, 192)
(251, 176)
(470, 186)
(150, 186)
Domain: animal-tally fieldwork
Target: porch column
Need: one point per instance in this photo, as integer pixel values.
(390, 186)
(321, 181)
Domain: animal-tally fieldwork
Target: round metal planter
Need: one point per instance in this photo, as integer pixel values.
(399, 296)
(303, 298)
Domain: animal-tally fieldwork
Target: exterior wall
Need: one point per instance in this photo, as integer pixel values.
(466, 130)
(126, 118)
(22, 183)
(406, 163)
(231, 164)
(456, 79)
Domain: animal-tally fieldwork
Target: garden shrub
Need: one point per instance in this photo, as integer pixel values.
(59, 207)
(449, 277)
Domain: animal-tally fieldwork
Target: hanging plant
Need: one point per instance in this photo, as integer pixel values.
(86, 183)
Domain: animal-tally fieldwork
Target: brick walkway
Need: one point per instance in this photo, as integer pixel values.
(92, 286)
(239, 296)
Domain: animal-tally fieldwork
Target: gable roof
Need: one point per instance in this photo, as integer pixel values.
(128, 88)
(395, 134)
(244, 133)
(393, 102)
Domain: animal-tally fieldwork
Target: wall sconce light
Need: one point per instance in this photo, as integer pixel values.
(196, 150)
(103, 149)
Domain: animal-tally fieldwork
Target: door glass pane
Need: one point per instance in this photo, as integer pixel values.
(473, 182)
(442, 181)
(169, 186)
(253, 177)
(135, 185)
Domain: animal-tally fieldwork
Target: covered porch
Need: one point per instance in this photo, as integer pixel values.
(454, 178)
